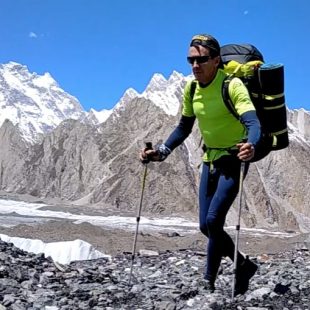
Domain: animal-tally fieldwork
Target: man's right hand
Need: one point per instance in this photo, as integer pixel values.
(160, 153)
(146, 155)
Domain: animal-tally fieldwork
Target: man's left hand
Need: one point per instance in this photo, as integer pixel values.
(246, 151)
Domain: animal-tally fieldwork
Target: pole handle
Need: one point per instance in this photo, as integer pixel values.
(148, 145)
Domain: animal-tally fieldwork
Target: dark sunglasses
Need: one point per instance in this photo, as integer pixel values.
(198, 59)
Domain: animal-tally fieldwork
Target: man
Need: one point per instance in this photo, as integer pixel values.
(228, 141)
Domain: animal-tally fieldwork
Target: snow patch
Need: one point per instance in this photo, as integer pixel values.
(61, 252)
(45, 80)
(102, 115)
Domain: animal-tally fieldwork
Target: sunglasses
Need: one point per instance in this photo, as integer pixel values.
(198, 59)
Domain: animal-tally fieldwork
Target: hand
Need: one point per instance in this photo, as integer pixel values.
(147, 155)
(246, 151)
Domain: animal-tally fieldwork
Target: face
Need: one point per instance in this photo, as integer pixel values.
(206, 71)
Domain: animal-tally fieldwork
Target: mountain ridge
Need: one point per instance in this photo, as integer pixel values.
(93, 163)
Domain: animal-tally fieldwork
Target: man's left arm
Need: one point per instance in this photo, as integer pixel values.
(246, 110)
(252, 124)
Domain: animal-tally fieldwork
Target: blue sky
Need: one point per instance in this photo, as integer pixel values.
(96, 49)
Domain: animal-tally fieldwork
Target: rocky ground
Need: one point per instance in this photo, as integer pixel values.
(168, 277)
(162, 281)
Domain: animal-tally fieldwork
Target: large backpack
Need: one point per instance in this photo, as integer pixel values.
(265, 83)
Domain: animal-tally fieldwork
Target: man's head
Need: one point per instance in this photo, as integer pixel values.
(204, 56)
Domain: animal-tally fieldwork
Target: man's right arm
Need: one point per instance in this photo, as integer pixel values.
(181, 132)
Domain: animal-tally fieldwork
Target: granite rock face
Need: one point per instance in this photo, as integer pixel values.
(80, 162)
(88, 164)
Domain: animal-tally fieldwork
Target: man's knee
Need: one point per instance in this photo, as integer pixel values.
(209, 227)
(204, 229)
(213, 226)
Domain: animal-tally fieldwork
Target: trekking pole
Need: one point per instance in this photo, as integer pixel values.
(242, 169)
(148, 147)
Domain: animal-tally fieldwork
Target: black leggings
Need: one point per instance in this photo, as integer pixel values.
(218, 189)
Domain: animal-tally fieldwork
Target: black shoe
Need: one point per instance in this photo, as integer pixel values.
(245, 272)
(208, 285)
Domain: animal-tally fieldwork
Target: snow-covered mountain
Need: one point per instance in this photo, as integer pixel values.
(93, 160)
(166, 94)
(34, 102)
(37, 104)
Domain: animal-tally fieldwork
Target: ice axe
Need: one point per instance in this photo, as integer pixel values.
(148, 146)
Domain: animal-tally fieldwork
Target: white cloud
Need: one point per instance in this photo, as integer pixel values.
(32, 35)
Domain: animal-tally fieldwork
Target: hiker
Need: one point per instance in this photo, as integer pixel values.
(227, 142)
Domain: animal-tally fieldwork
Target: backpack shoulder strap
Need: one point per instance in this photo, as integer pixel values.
(191, 94)
(192, 89)
(226, 98)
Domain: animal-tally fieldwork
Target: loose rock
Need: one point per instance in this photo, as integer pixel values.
(167, 280)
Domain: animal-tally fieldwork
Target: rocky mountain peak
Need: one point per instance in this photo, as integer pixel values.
(157, 83)
(175, 77)
(166, 94)
(35, 102)
(15, 68)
